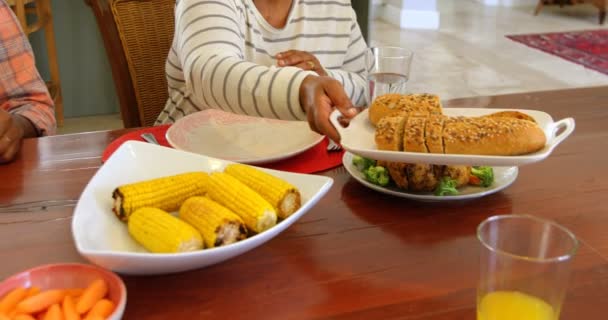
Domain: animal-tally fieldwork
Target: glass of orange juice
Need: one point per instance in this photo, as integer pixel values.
(525, 267)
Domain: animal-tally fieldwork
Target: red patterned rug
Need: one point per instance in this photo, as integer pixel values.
(587, 48)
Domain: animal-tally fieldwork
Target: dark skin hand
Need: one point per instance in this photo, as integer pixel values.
(318, 97)
(300, 59)
(13, 128)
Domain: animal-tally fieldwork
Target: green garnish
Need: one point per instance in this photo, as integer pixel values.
(485, 174)
(446, 187)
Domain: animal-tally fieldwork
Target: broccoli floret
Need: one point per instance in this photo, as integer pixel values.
(363, 163)
(447, 186)
(485, 174)
(377, 175)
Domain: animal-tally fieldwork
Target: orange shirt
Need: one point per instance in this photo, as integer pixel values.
(22, 90)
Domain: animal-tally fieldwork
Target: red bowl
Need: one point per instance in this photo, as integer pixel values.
(71, 275)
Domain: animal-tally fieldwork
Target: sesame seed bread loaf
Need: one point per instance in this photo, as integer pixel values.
(420, 176)
(501, 136)
(418, 129)
(406, 105)
(434, 133)
(384, 105)
(389, 135)
(421, 104)
(511, 114)
(413, 137)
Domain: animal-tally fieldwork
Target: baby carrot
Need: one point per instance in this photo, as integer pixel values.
(74, 292)
(32, 291)
(24, 317)
(103, 308)
(4, 317)
(69, 309)
(10, 300)
(54, 313)
(41, 315)
(93, 293)
(40, 301)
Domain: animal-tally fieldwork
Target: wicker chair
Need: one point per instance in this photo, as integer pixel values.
(137, 35)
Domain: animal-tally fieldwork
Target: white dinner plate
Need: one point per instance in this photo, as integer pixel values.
(104, 240)
(241, 138)
(503, 177)
(358, 138)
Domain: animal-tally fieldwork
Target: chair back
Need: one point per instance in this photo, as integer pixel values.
(137, 35)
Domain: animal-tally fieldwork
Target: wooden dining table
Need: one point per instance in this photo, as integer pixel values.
(358, 254)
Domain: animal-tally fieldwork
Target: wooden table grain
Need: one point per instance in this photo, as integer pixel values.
(358, 254)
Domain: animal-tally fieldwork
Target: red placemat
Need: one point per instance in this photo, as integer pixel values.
(315, 159)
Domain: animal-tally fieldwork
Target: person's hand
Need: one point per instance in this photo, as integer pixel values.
(300, 59)
(318, 97)
(11, 134)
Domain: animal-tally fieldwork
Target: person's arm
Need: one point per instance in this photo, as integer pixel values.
(353, 73)
(210, 47)
(26, 109)
(23, 94)
(13, 128)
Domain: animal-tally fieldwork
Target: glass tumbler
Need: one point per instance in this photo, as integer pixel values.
(388, 70)
(524, 268)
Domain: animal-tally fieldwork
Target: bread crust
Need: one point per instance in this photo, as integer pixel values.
(420, 104)
(511, 114)
(389, 133)
(413, 136)
(434, 134)
(499, 136)
(383, 106)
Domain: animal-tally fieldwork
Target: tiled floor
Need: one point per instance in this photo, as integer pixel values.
(469, 55)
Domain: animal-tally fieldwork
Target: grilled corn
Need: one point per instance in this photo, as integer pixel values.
(284, 197)
(160, 232)
(166, 193)
(256, 212)
(218, 225)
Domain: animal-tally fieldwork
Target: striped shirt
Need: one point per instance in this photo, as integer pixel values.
(22, 91)
(223, 57)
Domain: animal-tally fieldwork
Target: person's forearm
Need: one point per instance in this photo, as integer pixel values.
(354, 83)
(29, 131)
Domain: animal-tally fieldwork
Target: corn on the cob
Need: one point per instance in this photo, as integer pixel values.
(284, 197)
(256, 212)
(166, 193)
(160, 232)
(218, 225)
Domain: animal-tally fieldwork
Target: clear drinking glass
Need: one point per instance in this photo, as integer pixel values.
(388, 69)
(525, 267)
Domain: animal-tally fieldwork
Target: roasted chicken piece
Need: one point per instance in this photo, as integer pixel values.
(421, 177)
(459, 173)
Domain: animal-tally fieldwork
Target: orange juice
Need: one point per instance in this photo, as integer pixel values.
(513, 305)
